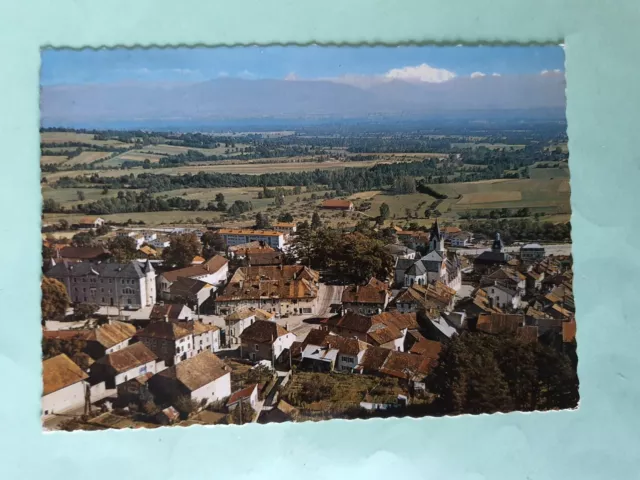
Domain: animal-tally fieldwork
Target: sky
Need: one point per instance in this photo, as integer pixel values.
(344, 64)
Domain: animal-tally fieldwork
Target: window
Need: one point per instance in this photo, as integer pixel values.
(101, 280)
(122, 281)
(102, 299)
(102, 290)
(84, 289)
(111, 280)
(256, 347)
(74, 280)
(84, 280)
(128, 301)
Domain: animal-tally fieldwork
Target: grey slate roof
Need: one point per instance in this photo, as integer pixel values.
(404, 263)
(418, 268)
(107, 270)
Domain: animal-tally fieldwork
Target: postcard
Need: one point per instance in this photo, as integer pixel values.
(304, 233)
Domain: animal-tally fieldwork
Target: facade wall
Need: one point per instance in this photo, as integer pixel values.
(502, 298)
(117, 346)
(236, 328)
(64, 399)
(240, 239)
(346, 363)
(256, 351)
(282, 343)
(214, 391)
(276, 306)
(135, 372)
(126, 292)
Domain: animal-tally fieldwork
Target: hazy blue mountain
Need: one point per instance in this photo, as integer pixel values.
(233, 98)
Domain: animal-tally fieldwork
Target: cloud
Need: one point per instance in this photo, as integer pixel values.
(223, 74)
(478, 75)
(420, 73)
(185, 71)
(551, 72)
(494, 74)
(246, 74)
(291, 76)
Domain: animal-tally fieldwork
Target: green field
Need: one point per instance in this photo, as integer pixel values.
(549, 196)
(63, 137)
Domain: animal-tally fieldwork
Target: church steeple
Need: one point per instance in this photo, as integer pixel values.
(498, 245)
(436, 240)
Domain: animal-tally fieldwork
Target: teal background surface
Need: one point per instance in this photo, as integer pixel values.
(599, 440)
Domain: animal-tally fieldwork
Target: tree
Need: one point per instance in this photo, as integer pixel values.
(384, 211)
(64, 224)
(279, 200)
(219, 197)
(479, 373)
(55, 299)
(83, 311)
(211, 243)
(404, 185)
(80, 194)
(285, 217)
(123, 249)
(262, 221)
(181, 250)
(82, 239)
(316, 222)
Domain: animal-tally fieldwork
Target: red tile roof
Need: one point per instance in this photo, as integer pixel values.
(60, 372)
(241, 394)
(263, 331)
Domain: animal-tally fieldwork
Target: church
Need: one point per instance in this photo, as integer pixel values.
(436, 265)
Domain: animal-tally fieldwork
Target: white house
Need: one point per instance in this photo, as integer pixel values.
(160, 242)
(203, 378)
(64, 385)
(461, 239)
(91, 222)
(236, 236)
(502, 296)
(265, 340)
(214, 272)
(205, 337)
(246, 396)
(532, 252)
(168, 340)
(123, 365)
(109, 338)
(195, 292)
(236, 322)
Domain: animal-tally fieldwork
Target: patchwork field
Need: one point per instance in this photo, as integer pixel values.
(490, 197)
(55, 159)
(85, 158)
(64, 137)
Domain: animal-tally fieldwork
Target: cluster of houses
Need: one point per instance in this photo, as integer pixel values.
(152, 343)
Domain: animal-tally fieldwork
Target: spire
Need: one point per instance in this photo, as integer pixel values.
(435, 230)
(498, 245)
(147, 267)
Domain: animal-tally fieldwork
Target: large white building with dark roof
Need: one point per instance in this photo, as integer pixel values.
(435, 266)
(129, 285)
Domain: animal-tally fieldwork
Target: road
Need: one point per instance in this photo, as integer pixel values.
(552, 249)
(327, 296)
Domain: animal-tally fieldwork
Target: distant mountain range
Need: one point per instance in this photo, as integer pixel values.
(234, 98)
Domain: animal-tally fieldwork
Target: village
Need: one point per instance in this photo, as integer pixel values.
(244, 330)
